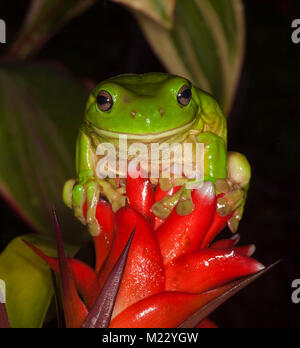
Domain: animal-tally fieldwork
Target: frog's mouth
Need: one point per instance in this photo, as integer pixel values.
(147, 137)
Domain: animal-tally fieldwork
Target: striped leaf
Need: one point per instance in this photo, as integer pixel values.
(160, 11)
(40, 111)
(43, 19)
(206, 44)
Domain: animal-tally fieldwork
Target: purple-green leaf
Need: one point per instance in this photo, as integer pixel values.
(59, 309)
(40, 111)
(100, 314)
(43, 19)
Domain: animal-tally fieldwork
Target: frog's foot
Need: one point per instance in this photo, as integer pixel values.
(234, 189)
(231, 199)
(75, 194)
(116, 196)
(185, 205)
(92, 199)
(164, 207)
(182, 199)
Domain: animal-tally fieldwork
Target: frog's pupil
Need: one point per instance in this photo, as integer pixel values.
(102, 100)
(186, 94)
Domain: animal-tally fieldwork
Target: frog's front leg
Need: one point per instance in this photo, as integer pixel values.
(234, 188)
(86, 188)
(215, 156)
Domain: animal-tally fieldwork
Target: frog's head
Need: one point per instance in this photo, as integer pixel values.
(143, 106)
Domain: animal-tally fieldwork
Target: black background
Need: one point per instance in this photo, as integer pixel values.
(264, 125)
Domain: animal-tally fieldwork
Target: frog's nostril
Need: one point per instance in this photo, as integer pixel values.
(161, 111)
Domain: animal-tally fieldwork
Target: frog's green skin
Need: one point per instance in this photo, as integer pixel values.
(146, 109)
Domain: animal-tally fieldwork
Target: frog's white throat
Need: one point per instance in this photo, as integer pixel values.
(147, 137)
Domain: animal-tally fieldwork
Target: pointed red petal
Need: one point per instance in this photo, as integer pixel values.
(122, 235)
(163, 310)
(126, 220)
(218, 224)
(208, 269)
(140, 195)
(207, 324)
(226, 243)
(100, 314)
(144, 274)
(157, 222)
(85, 278)
(182, 234)
(75, 311)
(232, 289)
(103, 242)
(247, 250)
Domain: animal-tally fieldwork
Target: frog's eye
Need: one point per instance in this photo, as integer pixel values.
(104, 101)
(184, 95)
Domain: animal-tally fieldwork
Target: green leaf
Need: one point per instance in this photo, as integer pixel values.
(206, 44)
(44, 18)
(28, 280)
(160, 11)
(40, 112)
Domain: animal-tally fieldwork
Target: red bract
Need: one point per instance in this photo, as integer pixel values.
(182, 234)
(207, 269)
(172, 269)
(140, 195)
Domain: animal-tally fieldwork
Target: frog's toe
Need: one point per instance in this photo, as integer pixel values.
(230, 201)
(185, 205)
(234, 221)
(92, 196)
(239, 170)
(79, 194)
(67, 193)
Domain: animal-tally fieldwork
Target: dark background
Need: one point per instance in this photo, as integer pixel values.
(264, 125)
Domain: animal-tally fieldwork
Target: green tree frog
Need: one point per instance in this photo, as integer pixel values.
(154, 107)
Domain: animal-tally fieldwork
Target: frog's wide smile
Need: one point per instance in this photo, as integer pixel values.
(147, 137)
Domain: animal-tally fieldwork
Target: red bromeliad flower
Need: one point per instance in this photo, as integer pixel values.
(161, 275)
